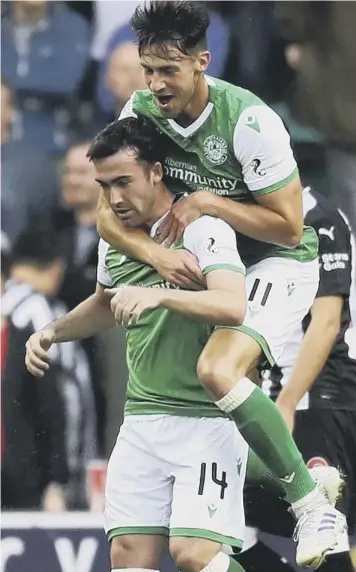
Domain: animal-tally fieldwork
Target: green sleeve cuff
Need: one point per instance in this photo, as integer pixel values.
(277, 186)
(230, 267)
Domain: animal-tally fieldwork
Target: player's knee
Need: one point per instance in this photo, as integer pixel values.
(121, 552)
(125, 552)
(192, 554)
(216, 375)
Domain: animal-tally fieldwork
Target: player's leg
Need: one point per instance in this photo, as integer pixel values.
(229, 356)
(137, 551)
(138, 497)
(207, 508)
(264, 490)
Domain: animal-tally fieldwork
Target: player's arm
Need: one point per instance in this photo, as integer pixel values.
(213, 242)
(221, 304)
(326, 312)
(89, 318)
(262, 147)
(317, 343)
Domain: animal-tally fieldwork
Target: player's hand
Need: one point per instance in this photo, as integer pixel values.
(53, 499)
(181, 268)
(129, 302)
(37, 351)
(181, 214)
(287, 408)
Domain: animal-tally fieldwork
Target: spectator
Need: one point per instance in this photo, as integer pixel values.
(109, 86)
(322, 52)
(57, 411)
(33, 416)
(77, 220)
(80, 195)
(28, 177)
(45, 52)
(124, 74)
(109, 16)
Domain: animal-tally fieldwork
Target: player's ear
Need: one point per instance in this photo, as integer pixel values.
(203, 61)
(156, 173)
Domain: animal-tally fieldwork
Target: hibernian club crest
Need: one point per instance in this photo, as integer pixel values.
(215, 149)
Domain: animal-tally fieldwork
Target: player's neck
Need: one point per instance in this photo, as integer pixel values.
(197, 104)
(163, 202)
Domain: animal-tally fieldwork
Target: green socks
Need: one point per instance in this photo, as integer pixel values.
(235, 566)
(264, 429)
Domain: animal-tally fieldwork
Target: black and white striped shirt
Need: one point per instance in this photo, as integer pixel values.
(31, 311)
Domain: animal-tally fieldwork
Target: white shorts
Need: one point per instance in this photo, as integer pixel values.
(177, 476)
(280, 293)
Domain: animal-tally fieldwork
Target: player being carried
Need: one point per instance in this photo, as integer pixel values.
(173, 469)
(226, 141)
(172, 430)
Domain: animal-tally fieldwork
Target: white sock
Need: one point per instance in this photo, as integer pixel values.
(237, 395)
(313, 499)
(220, 563)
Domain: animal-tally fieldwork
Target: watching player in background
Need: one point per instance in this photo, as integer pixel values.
(314, 383)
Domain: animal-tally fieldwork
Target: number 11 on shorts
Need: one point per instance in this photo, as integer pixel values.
(214, 476)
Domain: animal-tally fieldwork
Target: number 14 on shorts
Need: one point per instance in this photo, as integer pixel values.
(214, 477)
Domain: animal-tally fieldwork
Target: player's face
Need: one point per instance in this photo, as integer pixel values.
(172, 77)
(129, 186)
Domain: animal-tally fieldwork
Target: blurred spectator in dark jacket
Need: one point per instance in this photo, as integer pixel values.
(44, 53)
(29, 182)
(77, 220)
(34, 466)
(322, 52)
(57, 411)
(109, 87)
(80, 196)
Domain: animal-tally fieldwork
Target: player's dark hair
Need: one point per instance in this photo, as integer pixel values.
(134, 133)
(181, 22)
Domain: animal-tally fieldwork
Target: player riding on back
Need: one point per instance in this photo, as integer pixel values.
(238, 148)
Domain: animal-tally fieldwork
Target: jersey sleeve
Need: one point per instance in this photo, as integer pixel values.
(262, 147)
(103, 275)
(213, 242)
(334, 256)
(127, 110)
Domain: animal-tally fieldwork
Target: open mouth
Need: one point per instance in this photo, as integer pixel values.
(123, 213)
(163, 100)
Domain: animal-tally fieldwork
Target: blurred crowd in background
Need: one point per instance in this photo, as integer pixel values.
(67, 68)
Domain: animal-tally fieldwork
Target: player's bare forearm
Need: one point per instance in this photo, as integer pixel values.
(87, 319)
(212, 307)
(223, 303)
(314, 352)
(277, 219)
(131, 241)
